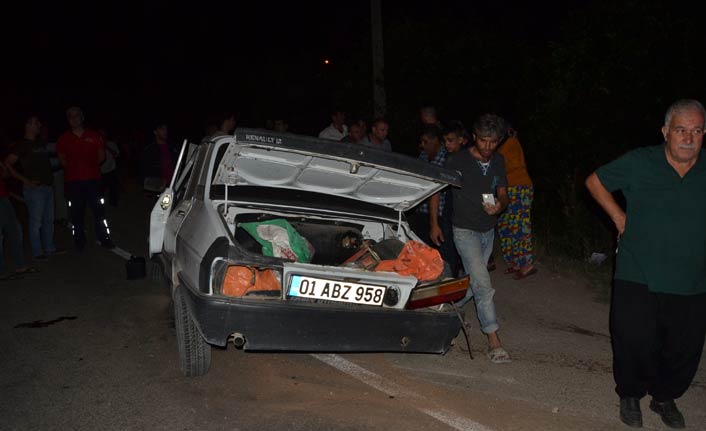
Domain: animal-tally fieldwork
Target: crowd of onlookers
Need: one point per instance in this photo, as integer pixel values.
(55, 182)
(51, 183)
(86, 168)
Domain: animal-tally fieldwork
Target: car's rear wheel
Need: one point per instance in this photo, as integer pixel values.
(194, 351)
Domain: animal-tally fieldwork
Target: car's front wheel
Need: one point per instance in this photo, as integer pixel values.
(194, 351)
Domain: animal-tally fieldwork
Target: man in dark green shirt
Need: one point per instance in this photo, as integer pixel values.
(658, 313)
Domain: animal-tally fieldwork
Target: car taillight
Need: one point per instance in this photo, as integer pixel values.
(439, 293)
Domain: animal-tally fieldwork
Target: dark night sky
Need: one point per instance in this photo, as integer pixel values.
(129, 64)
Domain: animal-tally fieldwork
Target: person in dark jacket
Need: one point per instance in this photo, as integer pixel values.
(158, 160)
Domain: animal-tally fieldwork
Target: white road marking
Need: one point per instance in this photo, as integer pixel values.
(360, 373)
(501, 379)
(122, 253)
(455, 421)
(390, 388)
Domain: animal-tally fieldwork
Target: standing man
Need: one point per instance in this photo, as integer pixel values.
(81, 152)
(158, 160)
(658, 312)
(474, 218)
(455, 140)
(378, 135)
(355, 134)
(29, 163)
(432, 212)
(226, 122)
(338, 129)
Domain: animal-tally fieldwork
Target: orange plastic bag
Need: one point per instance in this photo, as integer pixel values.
(240, 280)
(415, 259)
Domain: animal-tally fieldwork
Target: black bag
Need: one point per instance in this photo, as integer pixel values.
(135, 268)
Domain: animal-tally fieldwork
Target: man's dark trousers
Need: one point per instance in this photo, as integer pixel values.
(81, 194)
(657, 340)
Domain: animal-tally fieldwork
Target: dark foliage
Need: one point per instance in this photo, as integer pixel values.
(596, 89)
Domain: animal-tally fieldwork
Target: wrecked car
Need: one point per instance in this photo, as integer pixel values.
(280, 242)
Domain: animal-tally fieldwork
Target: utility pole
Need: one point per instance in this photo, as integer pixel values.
(379, 98)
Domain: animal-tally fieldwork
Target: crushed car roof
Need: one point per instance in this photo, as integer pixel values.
(264, 158)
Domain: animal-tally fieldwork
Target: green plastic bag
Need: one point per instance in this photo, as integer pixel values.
(279, 239)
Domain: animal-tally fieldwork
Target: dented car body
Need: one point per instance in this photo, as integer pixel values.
(333, 211)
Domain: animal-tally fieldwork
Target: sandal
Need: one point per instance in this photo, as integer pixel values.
(522, 275)
(499, 356)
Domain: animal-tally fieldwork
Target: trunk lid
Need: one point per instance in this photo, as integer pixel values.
(263, 158)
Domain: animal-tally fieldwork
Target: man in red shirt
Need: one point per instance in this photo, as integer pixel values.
(81, 152)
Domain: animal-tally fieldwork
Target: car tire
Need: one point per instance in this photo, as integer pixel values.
(194, 351)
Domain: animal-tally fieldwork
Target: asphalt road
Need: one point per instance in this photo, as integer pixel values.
(82, 348)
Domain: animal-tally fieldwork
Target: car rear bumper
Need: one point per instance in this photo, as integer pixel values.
(273, 325)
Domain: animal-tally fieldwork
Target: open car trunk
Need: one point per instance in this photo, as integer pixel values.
(341, 248)
(310, 218)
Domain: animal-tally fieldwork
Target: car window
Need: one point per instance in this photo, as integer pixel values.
(183, 176)
(217, 160)
(217, 190)
(179, 188)
(194, 180)
(180, 164)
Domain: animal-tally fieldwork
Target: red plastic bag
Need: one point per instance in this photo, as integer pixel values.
(416, 259)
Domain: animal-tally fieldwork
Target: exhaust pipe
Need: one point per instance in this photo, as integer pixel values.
(238, 340)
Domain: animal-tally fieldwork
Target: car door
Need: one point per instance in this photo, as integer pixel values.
(181, 203)
(159, 217)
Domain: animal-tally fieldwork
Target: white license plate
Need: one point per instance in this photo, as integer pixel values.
(332, 290)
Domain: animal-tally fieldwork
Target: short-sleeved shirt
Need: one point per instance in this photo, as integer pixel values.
(332, 133)
(33, 157)
(81, 153)
(664, 243)
(468, 210)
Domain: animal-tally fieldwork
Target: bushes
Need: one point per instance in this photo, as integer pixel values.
(597, 89)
